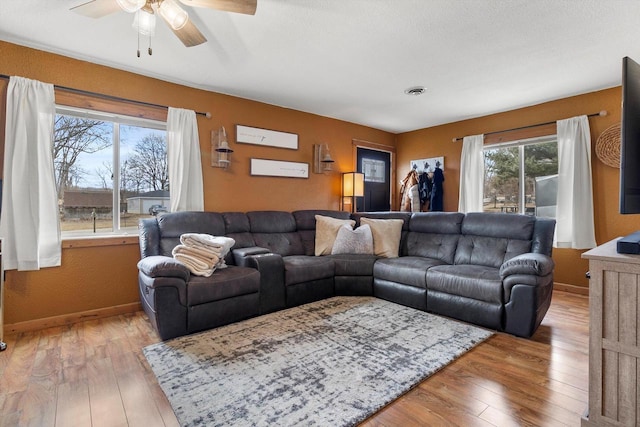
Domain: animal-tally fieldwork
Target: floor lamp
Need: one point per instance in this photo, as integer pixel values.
(352, 187)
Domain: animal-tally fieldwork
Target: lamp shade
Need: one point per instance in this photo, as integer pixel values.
(353, 184)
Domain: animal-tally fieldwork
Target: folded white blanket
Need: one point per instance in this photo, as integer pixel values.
(198, 253)
(202, 254)
(195, 265)
(217, 243)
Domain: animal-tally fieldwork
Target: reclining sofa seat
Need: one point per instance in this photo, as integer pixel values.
(492, 270)
(306, 278)
(179, 303)
(353, 273)
(431, 240)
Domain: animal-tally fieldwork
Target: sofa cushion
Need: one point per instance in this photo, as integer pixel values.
(306, 219)
(432, 245)
(173, 226)
(488, 251)
(407, 270)
(350, 241)
(304, 268)
(238, 228)
(327, 231)
(223, 283)
(386, 236)
(271, 222)
(353, 264)
(508, 226)
(470, 281)
(436, 222)
(284, 244)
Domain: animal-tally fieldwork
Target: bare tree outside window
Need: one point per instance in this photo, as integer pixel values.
(85, 148)
(72, 137)
(147, 167)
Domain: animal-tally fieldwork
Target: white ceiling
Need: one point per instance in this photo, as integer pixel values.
(353, 59)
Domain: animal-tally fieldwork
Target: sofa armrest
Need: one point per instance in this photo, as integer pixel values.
(529, 263)
(240, 256)
(272, 288)
(527, 282)
(163, 266)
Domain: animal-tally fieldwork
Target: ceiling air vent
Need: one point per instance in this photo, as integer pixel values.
(416, 90)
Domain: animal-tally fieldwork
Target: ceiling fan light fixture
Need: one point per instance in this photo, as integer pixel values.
(175, 16)
(131, 5)
(144, 23)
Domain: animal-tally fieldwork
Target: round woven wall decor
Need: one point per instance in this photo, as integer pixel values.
(608, 146)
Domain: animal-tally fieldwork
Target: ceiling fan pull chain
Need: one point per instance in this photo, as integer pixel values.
(150, 50)
(138, 44)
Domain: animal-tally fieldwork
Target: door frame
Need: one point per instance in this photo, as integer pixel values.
(359, 143)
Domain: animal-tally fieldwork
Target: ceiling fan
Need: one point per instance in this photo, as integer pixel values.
(169, 10)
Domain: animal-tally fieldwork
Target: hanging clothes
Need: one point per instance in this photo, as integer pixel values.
(408, 192)
(424, 187)
(437, 190)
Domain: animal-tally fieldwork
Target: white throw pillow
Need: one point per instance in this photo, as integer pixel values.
(326, 232)
(349, 241)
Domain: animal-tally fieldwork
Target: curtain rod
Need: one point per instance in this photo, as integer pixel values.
(112, 98)
(601, 114)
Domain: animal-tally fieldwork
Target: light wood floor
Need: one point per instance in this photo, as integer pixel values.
(94, 374)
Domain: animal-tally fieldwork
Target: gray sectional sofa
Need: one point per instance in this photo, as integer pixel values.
(493, 270)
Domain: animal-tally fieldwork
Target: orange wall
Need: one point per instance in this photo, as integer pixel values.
(105, 276)
(437, 141)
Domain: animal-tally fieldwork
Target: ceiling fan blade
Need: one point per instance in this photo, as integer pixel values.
(248, 7)
(189, 35)
(97, 8)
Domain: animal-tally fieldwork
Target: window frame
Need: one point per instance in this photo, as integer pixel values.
(117, 120)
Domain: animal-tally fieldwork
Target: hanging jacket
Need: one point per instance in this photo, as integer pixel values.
(409, 181)
(437, 192)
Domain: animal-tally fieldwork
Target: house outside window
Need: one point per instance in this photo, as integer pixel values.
(90, 189)
(521, 176)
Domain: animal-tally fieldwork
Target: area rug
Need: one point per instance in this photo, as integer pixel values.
(329, 363)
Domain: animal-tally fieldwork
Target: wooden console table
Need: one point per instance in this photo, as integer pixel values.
(614, 338)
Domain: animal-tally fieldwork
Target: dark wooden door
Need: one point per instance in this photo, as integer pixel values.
(376, 166)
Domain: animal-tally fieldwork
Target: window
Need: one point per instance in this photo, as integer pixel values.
(522, 177)
(374, 170)
(90, 189)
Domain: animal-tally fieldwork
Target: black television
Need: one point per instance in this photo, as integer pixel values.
(630, 138)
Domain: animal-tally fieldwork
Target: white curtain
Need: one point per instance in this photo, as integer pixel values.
(471, 174)
(574, 212)
(29, 223)
(183, 155)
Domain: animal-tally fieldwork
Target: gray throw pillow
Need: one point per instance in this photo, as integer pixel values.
(358, 241)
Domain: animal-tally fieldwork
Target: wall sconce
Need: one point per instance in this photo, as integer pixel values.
(322, 161)
(220, 150)
(352, 187)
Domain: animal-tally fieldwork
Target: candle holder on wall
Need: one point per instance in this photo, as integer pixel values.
(220, 150)
(322, 161)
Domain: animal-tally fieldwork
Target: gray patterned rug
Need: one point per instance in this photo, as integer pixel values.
(329, 363)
